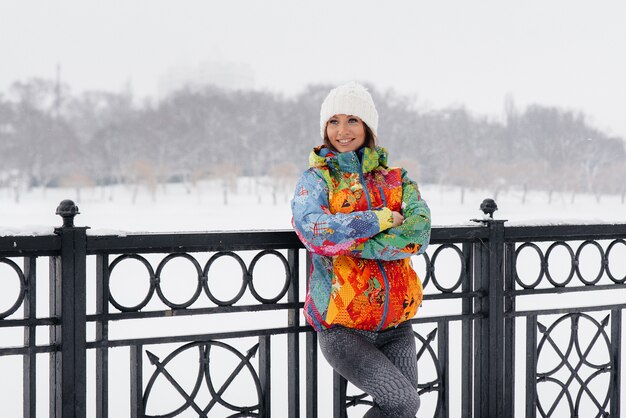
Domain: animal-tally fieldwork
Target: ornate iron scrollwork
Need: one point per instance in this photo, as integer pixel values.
(203, 280)
(574, 259)
(191, 399)
(574, 365)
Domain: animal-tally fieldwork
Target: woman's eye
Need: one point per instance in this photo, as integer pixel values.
(353, 120)
(333, 122)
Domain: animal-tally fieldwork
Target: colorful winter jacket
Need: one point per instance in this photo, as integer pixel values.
(361, 275)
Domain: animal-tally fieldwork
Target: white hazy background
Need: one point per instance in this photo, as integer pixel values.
(569, 54)
(564, 53)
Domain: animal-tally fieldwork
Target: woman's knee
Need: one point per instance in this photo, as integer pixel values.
(414, 405)
(404, 406)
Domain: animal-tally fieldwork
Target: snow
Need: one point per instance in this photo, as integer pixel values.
(26, 230)
(104, 231)
(111, 210)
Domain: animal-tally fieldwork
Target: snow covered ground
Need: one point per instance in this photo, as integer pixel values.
(125, 209)
(201, 208)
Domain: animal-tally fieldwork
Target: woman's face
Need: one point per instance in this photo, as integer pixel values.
(346, 132)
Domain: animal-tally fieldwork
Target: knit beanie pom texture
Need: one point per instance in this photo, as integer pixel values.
(349, 99)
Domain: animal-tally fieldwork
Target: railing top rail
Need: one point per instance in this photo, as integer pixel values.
(193, 242)
(19, 246)
(240, 240)
(458, 233)
(565, 232)
(43, 245)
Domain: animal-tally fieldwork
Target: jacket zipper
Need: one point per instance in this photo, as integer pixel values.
(386, 302)
(382, 195)
(362, 178)
(380, 265)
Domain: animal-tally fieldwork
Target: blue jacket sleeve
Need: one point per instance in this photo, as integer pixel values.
(330, 234)
(410, 238)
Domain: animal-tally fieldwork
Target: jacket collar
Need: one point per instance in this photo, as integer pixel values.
(349, 162)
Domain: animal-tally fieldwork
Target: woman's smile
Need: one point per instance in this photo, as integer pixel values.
(346, 132)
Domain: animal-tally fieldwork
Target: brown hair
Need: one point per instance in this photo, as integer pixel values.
(370, 138)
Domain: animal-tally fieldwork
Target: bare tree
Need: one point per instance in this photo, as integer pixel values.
(283, 179)
(193, 133)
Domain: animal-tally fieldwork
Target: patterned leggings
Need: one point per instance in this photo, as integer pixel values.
(382, 364)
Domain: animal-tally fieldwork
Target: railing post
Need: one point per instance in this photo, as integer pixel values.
(443, 353)
(509, 331)
(311, 374)
(340, 385)
(293, 338)
(531, 366)
(616, 346)
(68, 303)
(467, 339)
(265, 375)
(311, 360)
(29, 383)
(102, 334)
(136, 381)
(489, 332)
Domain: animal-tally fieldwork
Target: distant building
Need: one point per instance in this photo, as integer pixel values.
(225, 74)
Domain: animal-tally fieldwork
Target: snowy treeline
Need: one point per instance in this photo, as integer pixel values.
(49, 137)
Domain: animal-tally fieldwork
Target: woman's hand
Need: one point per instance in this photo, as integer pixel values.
(398, 219)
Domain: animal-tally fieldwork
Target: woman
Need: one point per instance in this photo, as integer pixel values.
(362, 221)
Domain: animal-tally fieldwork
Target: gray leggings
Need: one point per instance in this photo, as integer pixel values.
(382, 364)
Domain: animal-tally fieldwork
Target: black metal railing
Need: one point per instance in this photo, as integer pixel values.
(209, 324)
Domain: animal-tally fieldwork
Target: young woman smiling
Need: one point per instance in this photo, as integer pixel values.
(361, 222)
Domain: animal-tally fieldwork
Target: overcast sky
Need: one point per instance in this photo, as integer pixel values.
(568, 53)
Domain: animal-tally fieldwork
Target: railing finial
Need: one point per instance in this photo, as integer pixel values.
(489, 206)
(67, 210)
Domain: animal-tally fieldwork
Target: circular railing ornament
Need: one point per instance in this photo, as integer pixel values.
(287, 281)
(572, 263)
(577, 262)
(159, 280)
(20, 297)
(428, 270)
(542, 265)
(152, 278)
(609, 272)
(244, 278)
(459, 281)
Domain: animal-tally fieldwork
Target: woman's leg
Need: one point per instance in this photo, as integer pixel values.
(398, 344)
(354, 355)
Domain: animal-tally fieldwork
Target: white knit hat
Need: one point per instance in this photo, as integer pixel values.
(349, 99)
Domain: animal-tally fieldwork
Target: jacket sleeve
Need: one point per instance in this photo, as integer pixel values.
(410, 238)
(330, 234)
